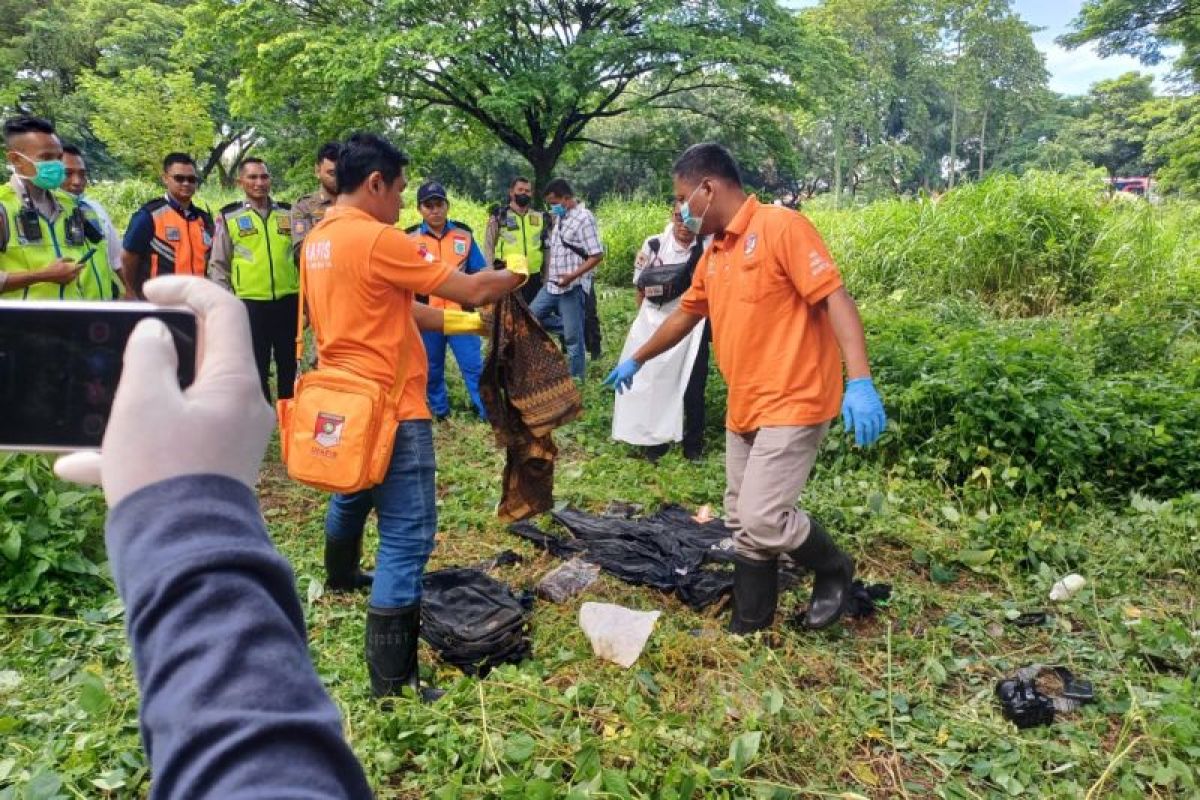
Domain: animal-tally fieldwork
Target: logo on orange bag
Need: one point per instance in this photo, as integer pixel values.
(329, 429)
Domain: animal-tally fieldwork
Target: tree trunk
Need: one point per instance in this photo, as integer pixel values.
(837, 167)
(982, 140)
(953, 139)
(543, 162)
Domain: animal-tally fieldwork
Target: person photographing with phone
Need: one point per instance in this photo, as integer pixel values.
(42, 241)
(231, 706)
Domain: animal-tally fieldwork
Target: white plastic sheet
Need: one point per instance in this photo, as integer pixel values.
(617, 634)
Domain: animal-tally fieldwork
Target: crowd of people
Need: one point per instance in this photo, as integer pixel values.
(231, 704)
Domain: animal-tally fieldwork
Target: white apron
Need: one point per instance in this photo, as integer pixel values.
(651, 411)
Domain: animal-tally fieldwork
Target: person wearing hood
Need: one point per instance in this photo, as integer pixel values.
(666, 404)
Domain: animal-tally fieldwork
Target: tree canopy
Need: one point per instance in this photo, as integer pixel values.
(858, 98)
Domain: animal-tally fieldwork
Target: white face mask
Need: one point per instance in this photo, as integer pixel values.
(693, 223)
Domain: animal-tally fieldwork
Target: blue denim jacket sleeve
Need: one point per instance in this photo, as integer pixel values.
(231, 704)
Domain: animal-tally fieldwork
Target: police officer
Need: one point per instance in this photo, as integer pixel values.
(44, 241)
(169, 235)
(452, 243)
(252, 255)
(517, 228)
(311, 208)
(98, 280)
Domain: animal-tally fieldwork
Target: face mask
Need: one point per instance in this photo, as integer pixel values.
(50, 174)
(558, 210)
(522, 200)
(692, 223)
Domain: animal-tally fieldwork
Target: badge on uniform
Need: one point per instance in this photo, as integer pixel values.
(751, 243)
(172, 234)
(511, 223)
(424, 253)
(298, 228)
(245, 226)
(460, 246)
(535, 220)
(283, 224)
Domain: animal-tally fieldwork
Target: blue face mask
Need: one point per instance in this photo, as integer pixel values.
(50, 174)
(691, 222)
(558, 210)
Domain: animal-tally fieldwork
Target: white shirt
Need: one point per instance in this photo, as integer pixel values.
(112, 240)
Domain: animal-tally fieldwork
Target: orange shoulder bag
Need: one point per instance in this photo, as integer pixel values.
(337, 432)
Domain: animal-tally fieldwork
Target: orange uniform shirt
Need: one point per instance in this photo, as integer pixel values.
(360, 276)
(761, 282)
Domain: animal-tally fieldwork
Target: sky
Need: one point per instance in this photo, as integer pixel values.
(1071, 71)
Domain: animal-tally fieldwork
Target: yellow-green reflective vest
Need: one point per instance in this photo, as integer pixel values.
(260, 264)
(521, 233)
(99, 279)
(21, 253)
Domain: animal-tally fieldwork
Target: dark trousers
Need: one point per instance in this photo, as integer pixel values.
(531, 287)
(693, 395)
(273, 333)
(591, 324)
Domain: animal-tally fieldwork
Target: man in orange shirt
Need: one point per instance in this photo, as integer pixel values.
(361, 274)
(780, 316)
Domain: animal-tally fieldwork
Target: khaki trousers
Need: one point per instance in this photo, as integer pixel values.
(765, 472)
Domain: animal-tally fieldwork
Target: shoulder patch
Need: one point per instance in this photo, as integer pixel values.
(155, 204)
(413, 228)
(234, 206)
(462, 226)
(284, 206)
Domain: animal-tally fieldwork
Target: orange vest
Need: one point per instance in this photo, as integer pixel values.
(180, 243)
(452, 249)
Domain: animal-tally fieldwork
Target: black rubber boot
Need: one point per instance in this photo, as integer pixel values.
(342, 573)
(833, 574)
(393, 635)
(755, 594)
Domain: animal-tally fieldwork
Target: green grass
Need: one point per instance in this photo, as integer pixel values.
(899, 705)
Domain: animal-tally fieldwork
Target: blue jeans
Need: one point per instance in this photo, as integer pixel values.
(563, 313)
(406, 506)
(468, 352)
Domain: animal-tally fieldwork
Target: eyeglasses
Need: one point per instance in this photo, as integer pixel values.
(184, 178)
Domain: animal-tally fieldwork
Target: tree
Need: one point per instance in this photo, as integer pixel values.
(1112, 135)
(535, 75)
(1141, 28)
(142, 115)
(1173, 141)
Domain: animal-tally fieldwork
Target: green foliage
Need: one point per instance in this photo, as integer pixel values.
(1029, 408)
(142, 115)
(51, 538)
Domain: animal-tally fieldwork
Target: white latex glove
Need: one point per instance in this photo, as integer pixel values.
(218, 426)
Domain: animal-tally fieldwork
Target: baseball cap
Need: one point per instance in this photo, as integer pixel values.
(430, 190)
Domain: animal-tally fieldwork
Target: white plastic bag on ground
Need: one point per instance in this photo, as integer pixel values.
(617, 634)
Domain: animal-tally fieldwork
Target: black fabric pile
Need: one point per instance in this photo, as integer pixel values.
(669, 551)
(474, 621)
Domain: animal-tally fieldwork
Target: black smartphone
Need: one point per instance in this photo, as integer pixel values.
(60, 364)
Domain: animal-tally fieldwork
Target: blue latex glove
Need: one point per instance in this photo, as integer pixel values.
(862, 411)
(621, 378)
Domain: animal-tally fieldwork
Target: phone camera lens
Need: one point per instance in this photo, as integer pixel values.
(93, 424)
(99, 332)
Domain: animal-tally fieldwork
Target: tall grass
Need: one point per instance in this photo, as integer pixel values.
(1023, 246)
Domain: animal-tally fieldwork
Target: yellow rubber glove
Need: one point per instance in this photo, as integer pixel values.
(519, 265)
(461, 322)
